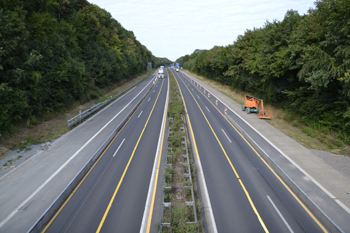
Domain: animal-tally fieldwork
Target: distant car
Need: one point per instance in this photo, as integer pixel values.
(177, 69)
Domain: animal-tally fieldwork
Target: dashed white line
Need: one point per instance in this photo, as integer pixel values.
(279, 213)
(154, 91)
(119, 147)
(207, 108)
(198, 97)
(140, 114)
(149, 99)
(226, 136)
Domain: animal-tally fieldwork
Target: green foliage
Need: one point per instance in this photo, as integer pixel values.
(54, 52)
(300, 64)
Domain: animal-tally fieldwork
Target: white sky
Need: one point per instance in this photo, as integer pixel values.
(173, 29)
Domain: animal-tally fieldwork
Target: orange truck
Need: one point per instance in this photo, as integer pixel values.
(252, 104)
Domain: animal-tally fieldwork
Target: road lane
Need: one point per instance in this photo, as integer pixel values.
(83, 213)
(261, 184)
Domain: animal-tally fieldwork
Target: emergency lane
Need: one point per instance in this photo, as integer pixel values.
(112, 195)
(246, 196)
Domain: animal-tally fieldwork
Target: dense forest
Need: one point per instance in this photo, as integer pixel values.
(55, 52)
(301, 64)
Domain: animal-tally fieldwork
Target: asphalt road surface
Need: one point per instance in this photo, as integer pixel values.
(245, 194)
(112, 196)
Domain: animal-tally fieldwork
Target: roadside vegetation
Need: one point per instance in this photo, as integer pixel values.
(179, 182)
(299, 66)
(55, 55)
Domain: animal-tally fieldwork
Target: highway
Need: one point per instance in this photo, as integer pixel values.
(245, 193)
(112, 196)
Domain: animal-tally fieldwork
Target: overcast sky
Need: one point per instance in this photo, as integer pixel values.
(173, 29)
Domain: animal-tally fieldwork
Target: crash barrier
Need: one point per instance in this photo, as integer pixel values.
(188, 184)
(40, 224)
(88, 112)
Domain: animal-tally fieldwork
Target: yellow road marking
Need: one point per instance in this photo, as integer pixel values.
(76, 188)
(127, 166)
(158, 165)
(233, 168)
(278, 177)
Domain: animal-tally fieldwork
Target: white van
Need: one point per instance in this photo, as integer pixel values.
(160, 73)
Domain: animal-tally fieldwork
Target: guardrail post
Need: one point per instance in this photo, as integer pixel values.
(80, 116)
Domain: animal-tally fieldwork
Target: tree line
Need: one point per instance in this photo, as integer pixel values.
(55, 52)
(301, 64)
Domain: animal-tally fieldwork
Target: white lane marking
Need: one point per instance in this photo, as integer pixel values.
(154, 170)
(198, 97)
(207, 108)
(226, 136)
(279, 213)
(154, 91)
(192, 89)
(149, 99)
(119, 147)
(65, 164)
(140, 114)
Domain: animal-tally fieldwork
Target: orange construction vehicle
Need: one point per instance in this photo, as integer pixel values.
(252, 104)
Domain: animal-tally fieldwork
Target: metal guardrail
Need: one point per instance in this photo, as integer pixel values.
(40, 224)
(88, 112)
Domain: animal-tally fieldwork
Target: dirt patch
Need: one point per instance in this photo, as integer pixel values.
(55, 124)
(288, 123)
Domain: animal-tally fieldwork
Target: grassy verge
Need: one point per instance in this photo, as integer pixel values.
(53, 124)
(312, 137)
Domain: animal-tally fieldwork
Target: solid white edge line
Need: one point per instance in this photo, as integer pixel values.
(279, 213)
(226, 136)
(140, 114)
(63, 165)
(207, 108)
(145, 216)
(290, 160)
(119, 147)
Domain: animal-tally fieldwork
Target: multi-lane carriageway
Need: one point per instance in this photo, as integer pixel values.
(246, 195)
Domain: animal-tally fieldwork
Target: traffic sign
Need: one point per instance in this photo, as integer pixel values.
(204, 91)
(217, 102)
(225, 111)
(208, 95)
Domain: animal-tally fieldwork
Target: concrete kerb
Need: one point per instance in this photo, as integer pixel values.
(319, 213)
(49, 213)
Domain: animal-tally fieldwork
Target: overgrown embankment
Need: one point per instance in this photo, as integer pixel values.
(180, 205)
(55, 53)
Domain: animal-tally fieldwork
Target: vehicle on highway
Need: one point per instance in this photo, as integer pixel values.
(160, 73)
(177, 69)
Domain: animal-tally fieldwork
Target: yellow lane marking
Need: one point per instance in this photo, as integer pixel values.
(278, 177)
(189, 121)
(233, 168)
(158, 165)
(127, 166)
(76, 188)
